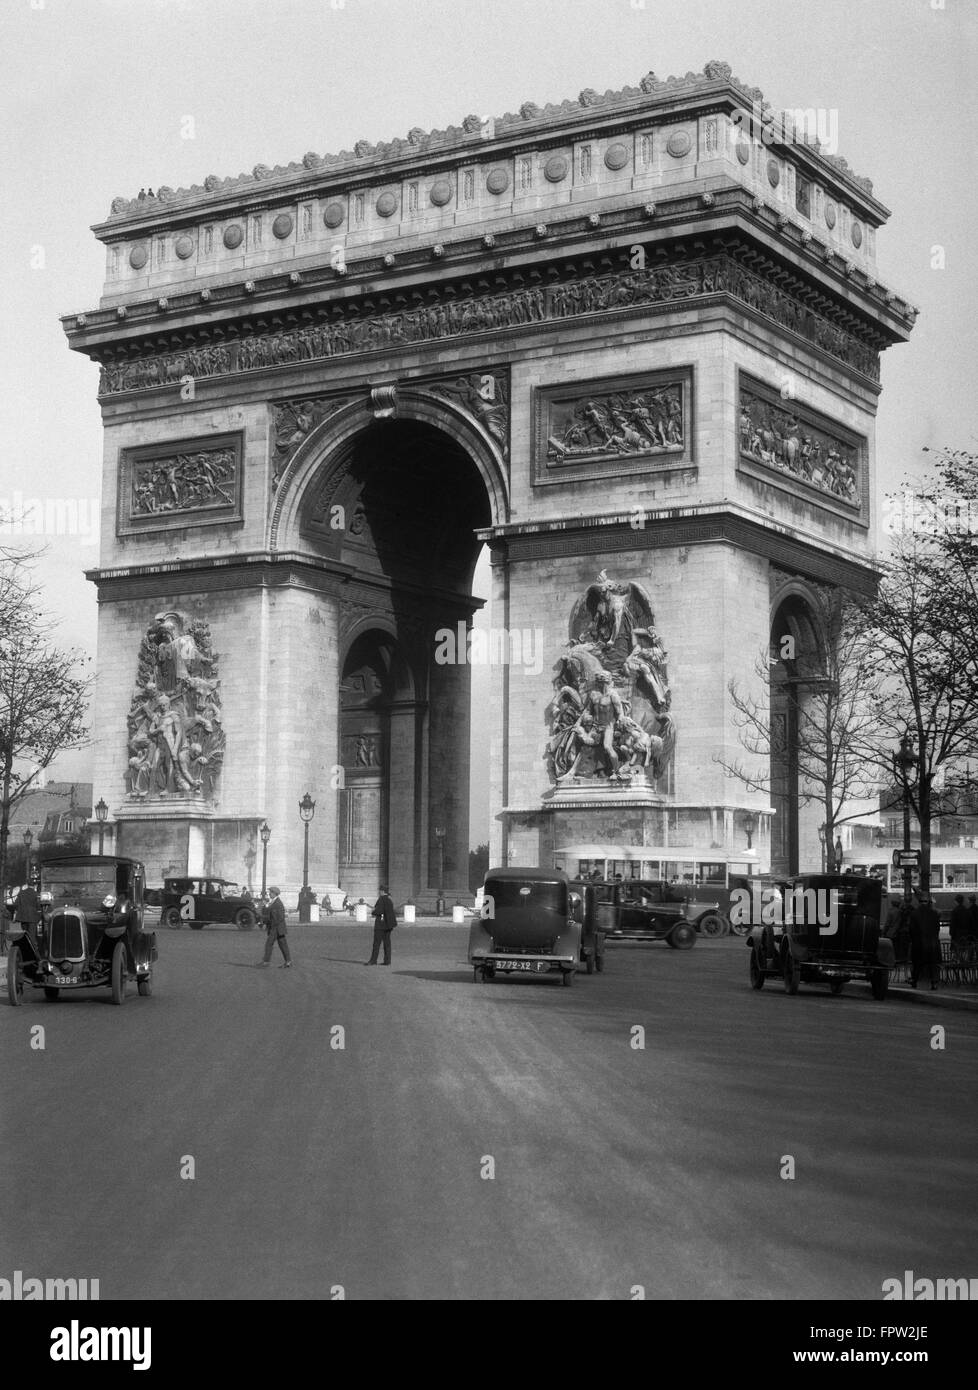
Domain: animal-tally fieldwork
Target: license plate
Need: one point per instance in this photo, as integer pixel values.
(64, 980)
(533, 966)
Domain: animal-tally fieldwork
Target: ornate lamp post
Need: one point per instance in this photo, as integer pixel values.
(265, 831)
(101, 812)
(750, 825)
(903, 764)
(821, 841)
(28, 841)
(440, 901)
(307, 809)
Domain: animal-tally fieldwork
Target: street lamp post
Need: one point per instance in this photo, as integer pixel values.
(821, 841)
(440, 901)
(101, 812)
(838, 854)
(750, 825)
(28, 841)
(265, 831)
(903, 764)
(307, 809)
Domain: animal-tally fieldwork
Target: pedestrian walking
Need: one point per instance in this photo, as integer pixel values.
(26, 909)
(385, 921)
(274, 918)
(925, 942)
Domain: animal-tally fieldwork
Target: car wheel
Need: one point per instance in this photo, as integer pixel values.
(568, 978)
(244, 919)
(15, 980)
(711, 924)
(792, 973)
(682, 937)
(172, 918)
(880, 983)
(145, 986)
(836, 986)
(738, 928)
(119, 973)
(756, 973)
(52, 993)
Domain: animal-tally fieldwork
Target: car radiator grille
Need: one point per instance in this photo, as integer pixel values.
(67, 936)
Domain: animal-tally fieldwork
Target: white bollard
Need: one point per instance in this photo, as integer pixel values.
(458, 913)
(314, 912)
(361, 912)
(409, 913)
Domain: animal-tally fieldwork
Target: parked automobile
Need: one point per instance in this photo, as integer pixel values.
(828, 930)
(92, 933)
(531, 922)
(199, 901)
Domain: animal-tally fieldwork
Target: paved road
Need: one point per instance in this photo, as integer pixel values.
(362, 1167)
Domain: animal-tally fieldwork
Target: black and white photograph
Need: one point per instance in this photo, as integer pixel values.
(490, 496)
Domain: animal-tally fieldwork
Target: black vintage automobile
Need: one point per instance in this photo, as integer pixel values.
(650, 910)
(823, 929)
(198, 901)
(92, 934)
(532, 922)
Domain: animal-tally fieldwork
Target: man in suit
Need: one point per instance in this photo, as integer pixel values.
(925, 941)
(27, 908)
(384, 923)
(274, 918)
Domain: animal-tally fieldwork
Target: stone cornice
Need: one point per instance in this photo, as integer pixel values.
(722, 209)
(260, 570)
(706, 524)
(653, 101)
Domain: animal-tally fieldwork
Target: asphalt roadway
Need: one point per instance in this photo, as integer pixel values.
(483, 1142)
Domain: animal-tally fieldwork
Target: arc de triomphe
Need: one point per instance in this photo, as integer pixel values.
(630, 342)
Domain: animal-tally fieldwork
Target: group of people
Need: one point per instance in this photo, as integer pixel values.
(915, 930)
(276, 928)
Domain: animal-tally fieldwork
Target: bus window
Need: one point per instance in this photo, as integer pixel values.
(962, 876)
(713, 873)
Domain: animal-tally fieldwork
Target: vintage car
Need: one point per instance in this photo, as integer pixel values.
(92, 934)
(650, 910)
(531, 921)
(199, 901)
(822, 929)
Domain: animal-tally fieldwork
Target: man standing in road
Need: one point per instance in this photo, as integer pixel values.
(274, 918)
(26, 909)
(384, 923)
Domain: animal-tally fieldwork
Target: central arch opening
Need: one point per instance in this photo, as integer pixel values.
(410, 499)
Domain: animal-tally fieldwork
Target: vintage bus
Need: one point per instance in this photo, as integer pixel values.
(705, 878)
(953, 871)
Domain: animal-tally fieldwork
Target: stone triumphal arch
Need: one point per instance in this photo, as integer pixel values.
(630, 342)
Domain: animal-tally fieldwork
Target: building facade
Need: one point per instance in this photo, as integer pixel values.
(630, 342)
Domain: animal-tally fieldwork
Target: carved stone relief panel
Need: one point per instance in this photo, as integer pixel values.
(190, 482)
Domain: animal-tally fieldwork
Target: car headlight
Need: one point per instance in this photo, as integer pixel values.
(109, 900)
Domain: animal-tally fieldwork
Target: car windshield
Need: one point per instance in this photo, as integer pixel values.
(80, 881)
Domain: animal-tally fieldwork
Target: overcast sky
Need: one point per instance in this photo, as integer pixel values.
(96, 92)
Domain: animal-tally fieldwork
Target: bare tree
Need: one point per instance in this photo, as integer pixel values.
(831, 694)
(43, 695)
(922, 628)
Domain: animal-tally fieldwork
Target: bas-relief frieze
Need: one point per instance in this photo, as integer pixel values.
(186, 483)
(780, 435)
(611, 422)
(491, 312)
